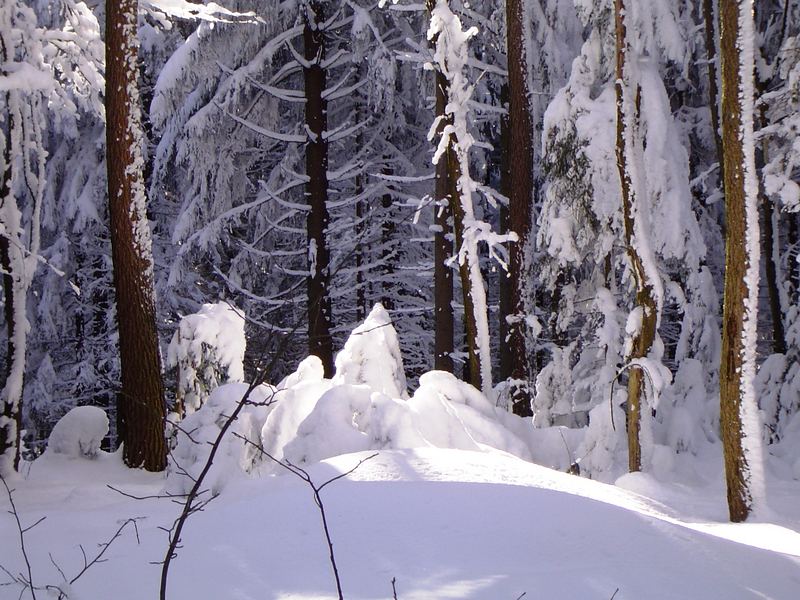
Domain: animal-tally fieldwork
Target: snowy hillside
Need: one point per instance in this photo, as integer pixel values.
(443, 523)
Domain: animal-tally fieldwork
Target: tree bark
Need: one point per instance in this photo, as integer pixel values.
(320, 343)
(737, 265)
(520, 157)
(645, 298)
(141, 409)
(444, 324)
(713, 90)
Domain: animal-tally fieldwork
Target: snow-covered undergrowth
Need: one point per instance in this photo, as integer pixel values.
(452, 506)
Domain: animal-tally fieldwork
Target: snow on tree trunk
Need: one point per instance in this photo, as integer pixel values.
(208, 350)
(450, 57)
(22, 165)
(647, 279)
(739, 418)
(318, 281)
(141, 410)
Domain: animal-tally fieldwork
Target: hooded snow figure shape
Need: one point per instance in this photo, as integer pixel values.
(371, 356)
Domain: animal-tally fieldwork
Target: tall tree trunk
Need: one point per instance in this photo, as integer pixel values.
(520, 156)
(713, 90)
(506, 300)
(387, 249)
(319, 305)
(11, 429)
(141, 408)
(444, 324)
(737, 363)
(627, 125)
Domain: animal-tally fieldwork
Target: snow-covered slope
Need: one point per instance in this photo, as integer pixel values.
(443, 523)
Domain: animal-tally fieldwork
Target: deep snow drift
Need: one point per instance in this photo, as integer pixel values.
(451, 506)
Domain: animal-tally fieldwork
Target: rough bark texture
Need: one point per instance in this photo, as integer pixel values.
(388, 229)
(444, 326)
(736, 264)
(318, 282)
(645, 300)
(141, 409)
(520, 155)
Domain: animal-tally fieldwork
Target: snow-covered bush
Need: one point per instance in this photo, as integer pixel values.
(79, 432)
(372, 356)
(208, 350)
(199, 430)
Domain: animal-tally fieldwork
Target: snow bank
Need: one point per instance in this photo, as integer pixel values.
(79, 432)
(307, 418)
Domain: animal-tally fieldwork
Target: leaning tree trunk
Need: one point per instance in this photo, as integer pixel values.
(627, 120)
(318, 282)
(141, 409)
(520, 194)
(737, 363)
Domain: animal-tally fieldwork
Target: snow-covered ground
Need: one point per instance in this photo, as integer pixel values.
(443, 523)
(451, 505)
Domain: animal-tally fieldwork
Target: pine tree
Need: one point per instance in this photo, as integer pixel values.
(738, 411)
(141, 408)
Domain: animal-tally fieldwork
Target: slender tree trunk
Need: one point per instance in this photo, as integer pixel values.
(10, 430)
(444, 324)
(771, 241)
(627, 122)
(320, 343)
(520, 157)
(141, 409)
(713, 89)
(737, 363)
(387, 252)
(505, 281)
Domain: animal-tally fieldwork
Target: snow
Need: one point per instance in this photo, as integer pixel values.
(79, 432)
(442, 523)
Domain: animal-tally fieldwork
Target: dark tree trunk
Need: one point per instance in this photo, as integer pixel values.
(387, 249)
(444, 324)
(9, 439)
(520, 157)
(141, 409)
(737, 262)
(506, 299)
(645, 300)
(713, 90)
(319, 305)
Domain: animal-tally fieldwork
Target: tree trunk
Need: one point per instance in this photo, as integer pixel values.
(739, 305)
(11, 429)
(713, 90)
(520, 157)
(506, 300)
(627, 123)
(319, 305)
(141, 409)
(444, 324)
(387, 254)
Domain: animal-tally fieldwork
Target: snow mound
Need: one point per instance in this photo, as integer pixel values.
(79, 432)
(238, 450)
(372, 356)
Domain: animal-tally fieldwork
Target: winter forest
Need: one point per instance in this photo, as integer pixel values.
(369, 241)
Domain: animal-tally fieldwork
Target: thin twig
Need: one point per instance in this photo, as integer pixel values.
(316, 489)
(21, 532)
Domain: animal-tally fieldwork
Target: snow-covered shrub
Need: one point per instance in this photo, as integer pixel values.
(208, 350)
(372, 356)
(79, 432)
(199, 430)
